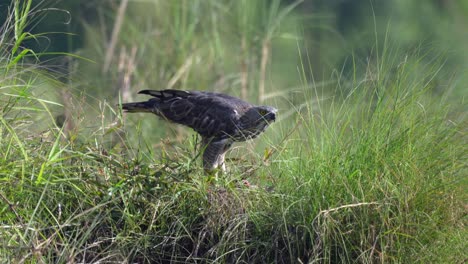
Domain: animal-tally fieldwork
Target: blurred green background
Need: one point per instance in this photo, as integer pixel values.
(366, 163)
(265, 51)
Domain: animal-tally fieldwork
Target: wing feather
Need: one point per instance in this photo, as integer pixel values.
(165, 94)
(210, 114)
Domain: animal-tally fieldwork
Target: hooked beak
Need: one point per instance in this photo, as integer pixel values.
(272, 115)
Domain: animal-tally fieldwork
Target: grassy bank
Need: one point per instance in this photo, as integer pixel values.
(375, 176)
(371, 174)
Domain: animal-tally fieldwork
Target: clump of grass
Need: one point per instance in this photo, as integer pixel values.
(373, 175)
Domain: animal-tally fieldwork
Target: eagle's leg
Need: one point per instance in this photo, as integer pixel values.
(221, 164)
(221, 161)
(214, 152)
(211, 151)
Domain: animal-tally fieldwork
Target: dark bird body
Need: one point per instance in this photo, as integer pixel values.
(220, 119)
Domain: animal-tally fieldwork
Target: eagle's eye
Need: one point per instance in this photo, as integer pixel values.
(262, 112)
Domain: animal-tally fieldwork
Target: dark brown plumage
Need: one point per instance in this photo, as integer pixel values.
(220, 119)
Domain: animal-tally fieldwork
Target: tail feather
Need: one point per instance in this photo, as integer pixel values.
(165, 94)
(138, 107)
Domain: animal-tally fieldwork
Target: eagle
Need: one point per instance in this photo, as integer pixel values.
(220, 119)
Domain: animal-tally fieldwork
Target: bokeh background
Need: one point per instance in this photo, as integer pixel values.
(265, 51)
(366, 163)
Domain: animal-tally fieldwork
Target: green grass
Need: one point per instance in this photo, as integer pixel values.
(375, 173)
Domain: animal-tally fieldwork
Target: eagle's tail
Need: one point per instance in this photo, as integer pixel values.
(137, 107)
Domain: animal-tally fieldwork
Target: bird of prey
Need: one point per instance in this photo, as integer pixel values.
(220, 119)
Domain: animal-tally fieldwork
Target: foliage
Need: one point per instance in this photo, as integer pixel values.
(371, 170)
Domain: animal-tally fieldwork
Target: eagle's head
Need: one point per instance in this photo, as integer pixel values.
(255, 120)
(265, 113)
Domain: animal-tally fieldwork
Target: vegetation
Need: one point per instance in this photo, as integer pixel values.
(367, 165)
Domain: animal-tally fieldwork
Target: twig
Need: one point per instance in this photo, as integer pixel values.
(126, 70)
(182, 70)
(115, 34)
(26, 227)
(12, 207)
(274, 150)
(263, 65)
(244, 72)
(326, 212)
(270, 153)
